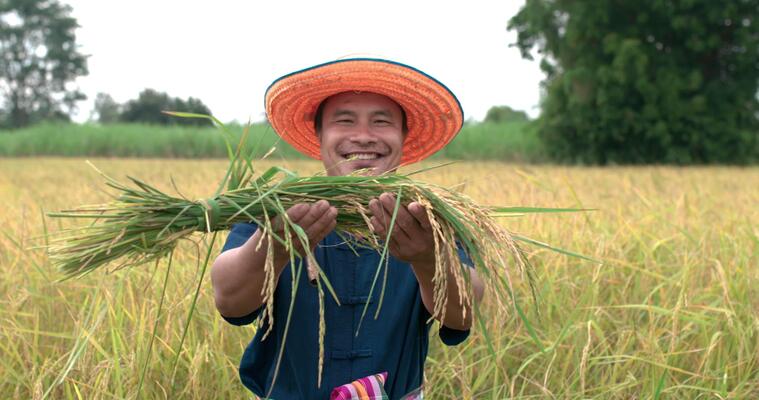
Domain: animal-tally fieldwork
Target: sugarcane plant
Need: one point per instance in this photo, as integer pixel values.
(144, 224)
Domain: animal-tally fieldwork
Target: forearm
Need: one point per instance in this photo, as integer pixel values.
(238, 276)
(454, 311)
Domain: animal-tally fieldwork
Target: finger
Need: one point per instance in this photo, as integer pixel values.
(379, 227)
(387, 203)
(313, 214)
(395, 239)
(315, 229)
(403, 219)
(298, 211)
(327, 229)
(294, 214)
(419, 212)
(306, 223)
(378, 215)
(378, 210)
(305, 217)
(400, 237)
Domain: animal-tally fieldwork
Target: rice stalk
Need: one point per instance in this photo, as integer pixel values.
(143, 224)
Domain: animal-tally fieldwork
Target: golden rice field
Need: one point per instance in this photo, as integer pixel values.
(672, 313)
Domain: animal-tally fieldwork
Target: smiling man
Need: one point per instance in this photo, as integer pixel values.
(360, 130)
(371, 116)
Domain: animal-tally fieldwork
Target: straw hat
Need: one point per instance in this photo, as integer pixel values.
(433, 113)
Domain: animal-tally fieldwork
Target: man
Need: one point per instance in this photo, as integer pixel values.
(354, 114)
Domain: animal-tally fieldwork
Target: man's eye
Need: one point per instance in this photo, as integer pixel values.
(382, 122)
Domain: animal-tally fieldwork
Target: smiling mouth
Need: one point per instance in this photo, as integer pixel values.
(361, 156)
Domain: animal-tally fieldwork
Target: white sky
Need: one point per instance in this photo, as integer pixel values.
(226, 53)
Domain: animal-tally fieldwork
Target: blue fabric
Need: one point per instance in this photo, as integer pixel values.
(396, 342)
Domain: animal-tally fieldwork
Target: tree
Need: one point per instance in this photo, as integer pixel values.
(106, 109)
(505, 114)
(40, 61)
(150, 103)
(646, 81)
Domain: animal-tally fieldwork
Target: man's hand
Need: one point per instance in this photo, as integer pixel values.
(238, 275)
(412, 237)
(317, 220)
(412, 241)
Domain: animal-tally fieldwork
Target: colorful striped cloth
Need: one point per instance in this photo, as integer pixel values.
(371, 387)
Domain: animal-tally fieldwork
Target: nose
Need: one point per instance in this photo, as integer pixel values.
(362, 134)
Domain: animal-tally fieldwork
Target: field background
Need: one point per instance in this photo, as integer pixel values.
(671, 313)
(504, 141)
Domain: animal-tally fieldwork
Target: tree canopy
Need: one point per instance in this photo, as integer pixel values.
(105, 110)
(646, 81)
(150, 103)
(40, 61)
(505, 114)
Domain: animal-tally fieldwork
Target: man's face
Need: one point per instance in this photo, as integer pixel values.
(361, 130)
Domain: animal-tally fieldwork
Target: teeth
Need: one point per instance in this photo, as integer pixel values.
(362, 156)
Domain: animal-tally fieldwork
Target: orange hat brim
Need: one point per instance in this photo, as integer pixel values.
(433, 113)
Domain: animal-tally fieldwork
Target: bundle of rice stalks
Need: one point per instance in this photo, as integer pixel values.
(144, 224)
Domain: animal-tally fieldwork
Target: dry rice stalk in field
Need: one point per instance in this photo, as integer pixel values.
(143, 223)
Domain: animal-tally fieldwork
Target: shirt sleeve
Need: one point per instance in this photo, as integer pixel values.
(238, 235)
(450, 336)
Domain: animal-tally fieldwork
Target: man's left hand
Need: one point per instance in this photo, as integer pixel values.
(412, 238)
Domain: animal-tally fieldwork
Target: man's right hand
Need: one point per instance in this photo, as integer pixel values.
(238, 274)
(316, 219)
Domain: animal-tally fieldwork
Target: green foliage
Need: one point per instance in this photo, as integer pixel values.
(506, 141)
(646, 81)
(40, 60)
(505, 114)
(134, 140)
(510, 141)
(148, 107)
(106, 109)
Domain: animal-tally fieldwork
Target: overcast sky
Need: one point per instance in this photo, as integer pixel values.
(226, 53)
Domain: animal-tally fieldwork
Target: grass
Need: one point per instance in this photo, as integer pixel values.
(514, 141)
(671, 313)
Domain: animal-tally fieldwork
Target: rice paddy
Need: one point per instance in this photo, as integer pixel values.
(673, 312)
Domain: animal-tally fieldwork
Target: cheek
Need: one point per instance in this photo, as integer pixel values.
(327, 145)
(397, 143)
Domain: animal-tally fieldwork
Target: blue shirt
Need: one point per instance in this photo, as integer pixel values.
(396, 342)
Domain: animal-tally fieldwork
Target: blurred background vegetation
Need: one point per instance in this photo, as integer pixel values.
(652, 81)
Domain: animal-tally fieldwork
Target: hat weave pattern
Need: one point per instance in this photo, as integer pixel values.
(433, 114)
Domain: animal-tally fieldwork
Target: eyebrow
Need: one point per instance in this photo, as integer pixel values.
(384, 113)
(348, 113)
(343, 113)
